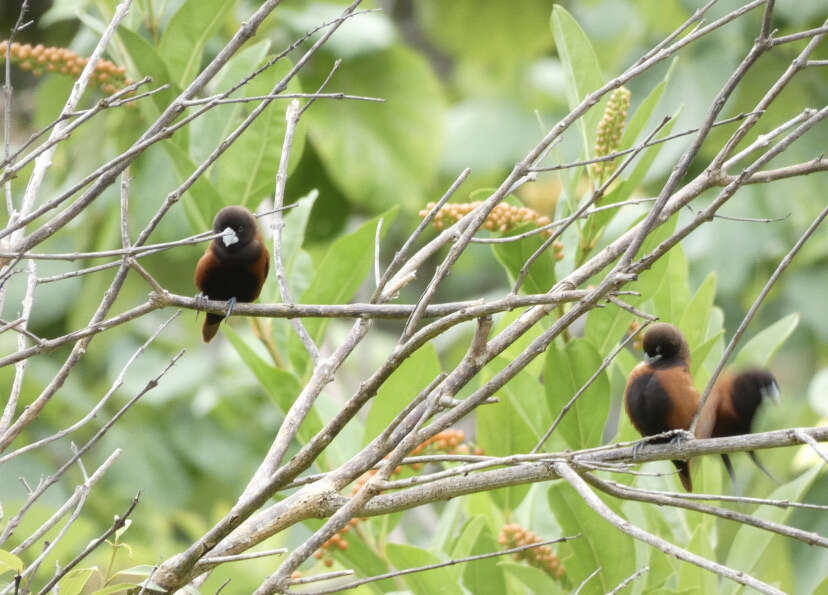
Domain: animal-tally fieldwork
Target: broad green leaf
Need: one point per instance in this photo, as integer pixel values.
(674, 294)
(338, 277)
(450, 517)
(247, 170)
(761, 348)
(298, 263)
(696, 317)
(482, 576)
(468, 536)
(747, 551)
(513, 255)
(511, 426)
(567, 370)
(74, 582)
(535, 367)
(605, 327)
(693, 577)
(399, 390)
(182, 43)
(382, 154)
(600, 544)
(10, 563)
(147, 62)
(210, 128)
(645, 110)
(281, 385)
(365, 561)
(650, 281)
(430, 582)
(202, 201)
(534, 579)
(698, 357)
(582, 70)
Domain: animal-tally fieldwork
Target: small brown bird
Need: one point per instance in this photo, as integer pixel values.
(235, 265)
(733, 404)
(660, 394)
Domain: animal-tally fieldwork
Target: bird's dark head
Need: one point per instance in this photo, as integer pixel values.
(664, 344)
(751, 387)
(238, 226)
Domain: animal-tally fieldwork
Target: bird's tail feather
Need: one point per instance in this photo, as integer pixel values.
(211, 326)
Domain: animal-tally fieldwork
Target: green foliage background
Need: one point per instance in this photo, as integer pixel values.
(468, 84)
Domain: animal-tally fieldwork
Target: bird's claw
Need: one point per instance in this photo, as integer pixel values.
(231, 304)
(200, 299)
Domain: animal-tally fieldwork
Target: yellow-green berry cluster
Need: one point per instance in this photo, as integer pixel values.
(39, 59)
(513, 535)
(449, 441)
(503, 218)
(610, 129)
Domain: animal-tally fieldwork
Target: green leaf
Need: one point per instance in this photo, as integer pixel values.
(511, 426)
(567, 370)
(10, 563)
(147, 62)
(74, 582)
(209, 129)
(692, 577)
(247, 170)
(534, 579)
(699, 355)
(481, 576)
(761, 348)
(298, 263)
(338, 277)
(672, 297)
(605, 327)
(582, 70)
(513, 255)
(365, 561)
(600, 544)
(650, 281)
(399, 390)
(747, 550)
(430, 582)
(183, 41)
(202, 201)
(282, 386)
(382, 154)
(645, 110)
(696, 317)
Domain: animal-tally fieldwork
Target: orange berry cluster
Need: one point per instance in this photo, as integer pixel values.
(610, 129)
(503, 218)
(513, 535)
(39, 59)
(449, 441)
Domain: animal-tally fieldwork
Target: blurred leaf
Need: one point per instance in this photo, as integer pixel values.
(209, 129)
(650, 281)
(365, 561)
(298, 263)
(338, 277)
(534, 579)
(480, 576)
(415, 373)
(567, 370)
(699, 355)
(583, 71)
(183, 41)
(513, 255)
(147, 62)
(672, 297)
(605, 327)
(599, 544)
(747, 551)
(692, 577)
(381, 154)
(514, 31)
(281, 385)
(430, 582)
(202, 201)
(645, 110)
(504, 428)
(10, 563)
(761, 348)
(247, 170)
(696, 317)
(74, 582)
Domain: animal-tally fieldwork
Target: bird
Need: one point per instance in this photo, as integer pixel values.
(733, 404)
(660, 395)
(235, 265)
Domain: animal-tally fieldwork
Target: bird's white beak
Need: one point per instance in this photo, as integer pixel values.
(772, 392)
(651, 359)
(229, 236)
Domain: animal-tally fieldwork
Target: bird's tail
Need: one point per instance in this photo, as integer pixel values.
(684, 474)
(729, 466)
(753, 457)
(211, 326)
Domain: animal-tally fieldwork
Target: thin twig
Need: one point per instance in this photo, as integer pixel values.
(638, 573)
